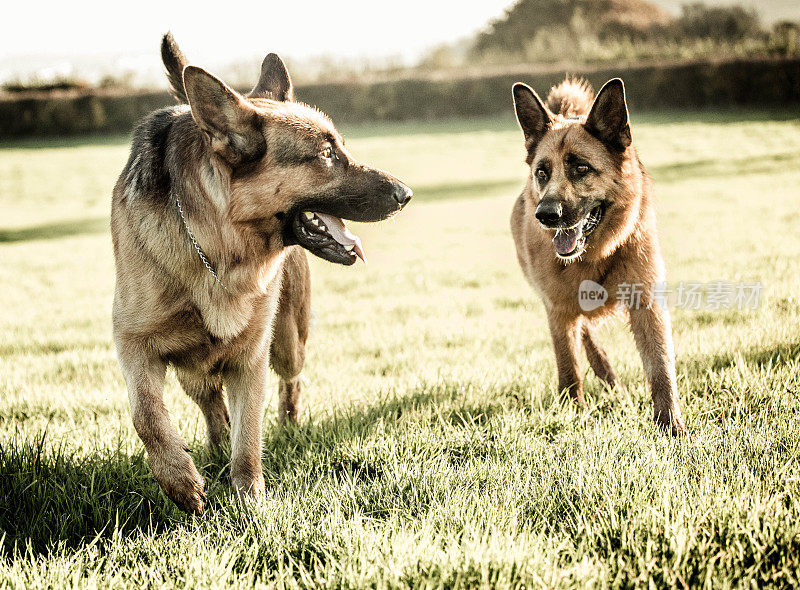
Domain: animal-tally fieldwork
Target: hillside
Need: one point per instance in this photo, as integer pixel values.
(526, 18)
(581, 32)
(770, 11)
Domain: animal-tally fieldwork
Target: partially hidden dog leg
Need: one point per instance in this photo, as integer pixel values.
(598, 360)
(206, 391)
(566, 334)
(653, 334)
(167, 452)
(290, 332)
(245, 380)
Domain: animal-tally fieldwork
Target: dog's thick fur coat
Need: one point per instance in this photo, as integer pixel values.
(587, 213)
(248, 173)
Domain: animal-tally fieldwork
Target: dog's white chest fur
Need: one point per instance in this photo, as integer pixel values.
(226, 317)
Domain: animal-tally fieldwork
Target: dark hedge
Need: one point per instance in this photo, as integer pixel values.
(746, 82)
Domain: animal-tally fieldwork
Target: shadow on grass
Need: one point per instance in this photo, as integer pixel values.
(466, 190)
(51, 497)
(716, 167)
(52, 231)
(758, 356)
(99, 225)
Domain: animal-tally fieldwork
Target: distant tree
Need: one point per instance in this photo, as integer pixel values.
(720, 23)
(604, 19)
(615, 24)
(785, 38)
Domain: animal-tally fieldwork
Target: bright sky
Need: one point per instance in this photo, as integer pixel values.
(226, 30)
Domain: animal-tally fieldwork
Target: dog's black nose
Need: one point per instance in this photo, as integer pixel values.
(549, 212)
(402, 194)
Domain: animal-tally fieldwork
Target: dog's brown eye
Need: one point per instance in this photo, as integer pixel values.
(582, 169)
(327, 153)
(541, 174)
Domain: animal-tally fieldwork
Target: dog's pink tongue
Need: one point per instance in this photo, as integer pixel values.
(341, 234)
(566, 240)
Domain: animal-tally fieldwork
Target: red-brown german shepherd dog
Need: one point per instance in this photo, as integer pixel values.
(587, 213)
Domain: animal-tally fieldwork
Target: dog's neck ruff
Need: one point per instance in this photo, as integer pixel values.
(197, 247)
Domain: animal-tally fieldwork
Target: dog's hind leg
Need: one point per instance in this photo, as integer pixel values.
(290, 332)
(566, 334)
(206, 391)
(598, 359)
(167, 452)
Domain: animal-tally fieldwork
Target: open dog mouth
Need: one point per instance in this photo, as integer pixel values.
(571, 242)
(327, 237)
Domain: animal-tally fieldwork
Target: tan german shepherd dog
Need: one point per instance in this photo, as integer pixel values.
(210, 219)
(587, 213)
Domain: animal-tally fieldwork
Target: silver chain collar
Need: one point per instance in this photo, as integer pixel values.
(206, 263)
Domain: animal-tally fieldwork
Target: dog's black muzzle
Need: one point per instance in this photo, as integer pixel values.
(364, 194)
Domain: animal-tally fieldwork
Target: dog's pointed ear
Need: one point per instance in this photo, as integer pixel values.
(274, 81)
(608, 118)
(533, 116)
(231, 124)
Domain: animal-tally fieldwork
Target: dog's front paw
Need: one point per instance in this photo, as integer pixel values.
(180, 480)
(249, 486)
(670, 423)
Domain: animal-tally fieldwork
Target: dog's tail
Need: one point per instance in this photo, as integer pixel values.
(572, 98)
(174, 62)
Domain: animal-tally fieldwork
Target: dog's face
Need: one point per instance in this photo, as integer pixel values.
(291, 176)
(578, 169)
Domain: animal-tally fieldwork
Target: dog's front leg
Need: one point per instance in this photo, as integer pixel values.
(167, 452)
(246, 382)
(566, 334)
(653, 334)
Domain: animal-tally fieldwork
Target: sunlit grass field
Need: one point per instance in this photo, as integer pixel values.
(433, 449)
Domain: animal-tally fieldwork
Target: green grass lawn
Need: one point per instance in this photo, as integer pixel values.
(433, 449)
